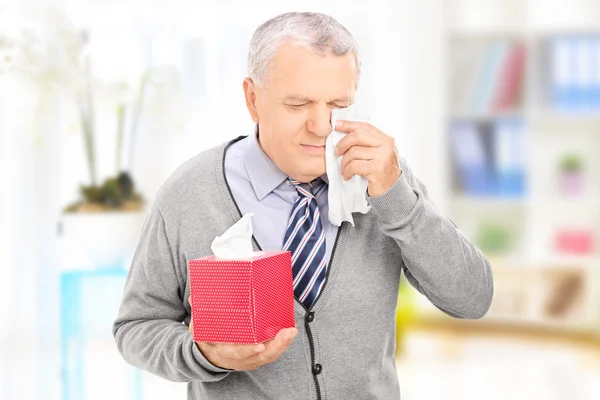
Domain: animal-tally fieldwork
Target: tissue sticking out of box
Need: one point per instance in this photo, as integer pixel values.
(236, 242)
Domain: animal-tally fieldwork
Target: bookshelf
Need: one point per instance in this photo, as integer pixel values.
(522, 113)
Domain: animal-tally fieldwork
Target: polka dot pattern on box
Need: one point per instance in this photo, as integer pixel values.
(241, 301)
(274, 293)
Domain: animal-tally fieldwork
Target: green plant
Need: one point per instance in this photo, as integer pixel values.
(114, 194)
(571, 163)
(117, 192)
(493, 239)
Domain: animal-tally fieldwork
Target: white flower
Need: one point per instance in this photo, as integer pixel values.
(43, 46)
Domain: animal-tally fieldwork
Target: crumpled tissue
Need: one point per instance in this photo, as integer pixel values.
(345, 197)
(236, 242)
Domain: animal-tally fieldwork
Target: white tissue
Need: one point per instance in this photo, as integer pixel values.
(345, 197)
(236, 242)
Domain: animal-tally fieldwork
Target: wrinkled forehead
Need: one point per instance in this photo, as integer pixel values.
(297, 71)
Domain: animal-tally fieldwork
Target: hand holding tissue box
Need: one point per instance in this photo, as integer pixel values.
(238, 295)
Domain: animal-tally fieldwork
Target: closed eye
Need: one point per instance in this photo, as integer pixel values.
(297, 106)
(302, 105)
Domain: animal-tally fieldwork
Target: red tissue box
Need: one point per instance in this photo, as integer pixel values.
(242, 301)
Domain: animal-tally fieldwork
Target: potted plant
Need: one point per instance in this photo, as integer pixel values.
(493, 239)
(571, 174)
(107, 217)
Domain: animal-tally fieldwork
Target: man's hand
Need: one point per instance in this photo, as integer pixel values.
(370, 153)
(243, 357)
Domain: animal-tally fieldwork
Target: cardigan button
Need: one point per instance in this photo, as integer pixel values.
(310, 316)
(317, 368)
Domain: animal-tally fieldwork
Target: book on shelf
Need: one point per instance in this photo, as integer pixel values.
(508, 157)
(470, 160)
(510, 80)
(574, 79)
(488, 157)
(488, 76)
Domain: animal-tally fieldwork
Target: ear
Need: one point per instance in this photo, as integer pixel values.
(250, 94)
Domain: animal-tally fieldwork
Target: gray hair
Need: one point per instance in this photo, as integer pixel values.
(319, 33)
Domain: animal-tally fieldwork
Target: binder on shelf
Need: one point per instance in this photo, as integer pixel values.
(509, 166)
(489, 157)
(595, 92)
(583, 77)
(470, 159)
(575, 73)
(488, 76)
(561, 73)
(510, 79)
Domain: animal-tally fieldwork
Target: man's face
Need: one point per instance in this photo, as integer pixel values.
(293, 109)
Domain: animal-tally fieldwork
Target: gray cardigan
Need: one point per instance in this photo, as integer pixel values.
(346, 341)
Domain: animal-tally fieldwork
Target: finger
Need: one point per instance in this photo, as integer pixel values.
(358, 153)
(283, 336)
(240, 351)
(361, 136)
(344, 125)
(276, 347)
(357, 167)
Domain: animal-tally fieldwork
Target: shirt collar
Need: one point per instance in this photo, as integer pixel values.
(262, 171)
(264, 175)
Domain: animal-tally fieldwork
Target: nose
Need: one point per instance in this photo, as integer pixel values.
(319, 121)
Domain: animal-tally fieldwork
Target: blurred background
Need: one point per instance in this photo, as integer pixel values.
(495, 105)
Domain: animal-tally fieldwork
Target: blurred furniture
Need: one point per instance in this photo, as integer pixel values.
(91, 365)
(522, 110)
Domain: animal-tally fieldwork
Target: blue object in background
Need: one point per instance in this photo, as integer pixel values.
(575, 73)
(472, 161)
(596, 73)
(509, 167)
(562, 75)
(489, 76)
(583, 72)
(90, 363)
(489, 157)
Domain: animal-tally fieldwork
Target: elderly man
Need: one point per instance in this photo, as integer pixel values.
(301, 67)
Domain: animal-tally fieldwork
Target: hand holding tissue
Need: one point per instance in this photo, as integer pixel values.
(367, 152)
(345, 197)
(238, 295)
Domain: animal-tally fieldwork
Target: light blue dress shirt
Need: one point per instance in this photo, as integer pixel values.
(259, 187)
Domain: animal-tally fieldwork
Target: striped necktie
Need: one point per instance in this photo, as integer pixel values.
(305, 239)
